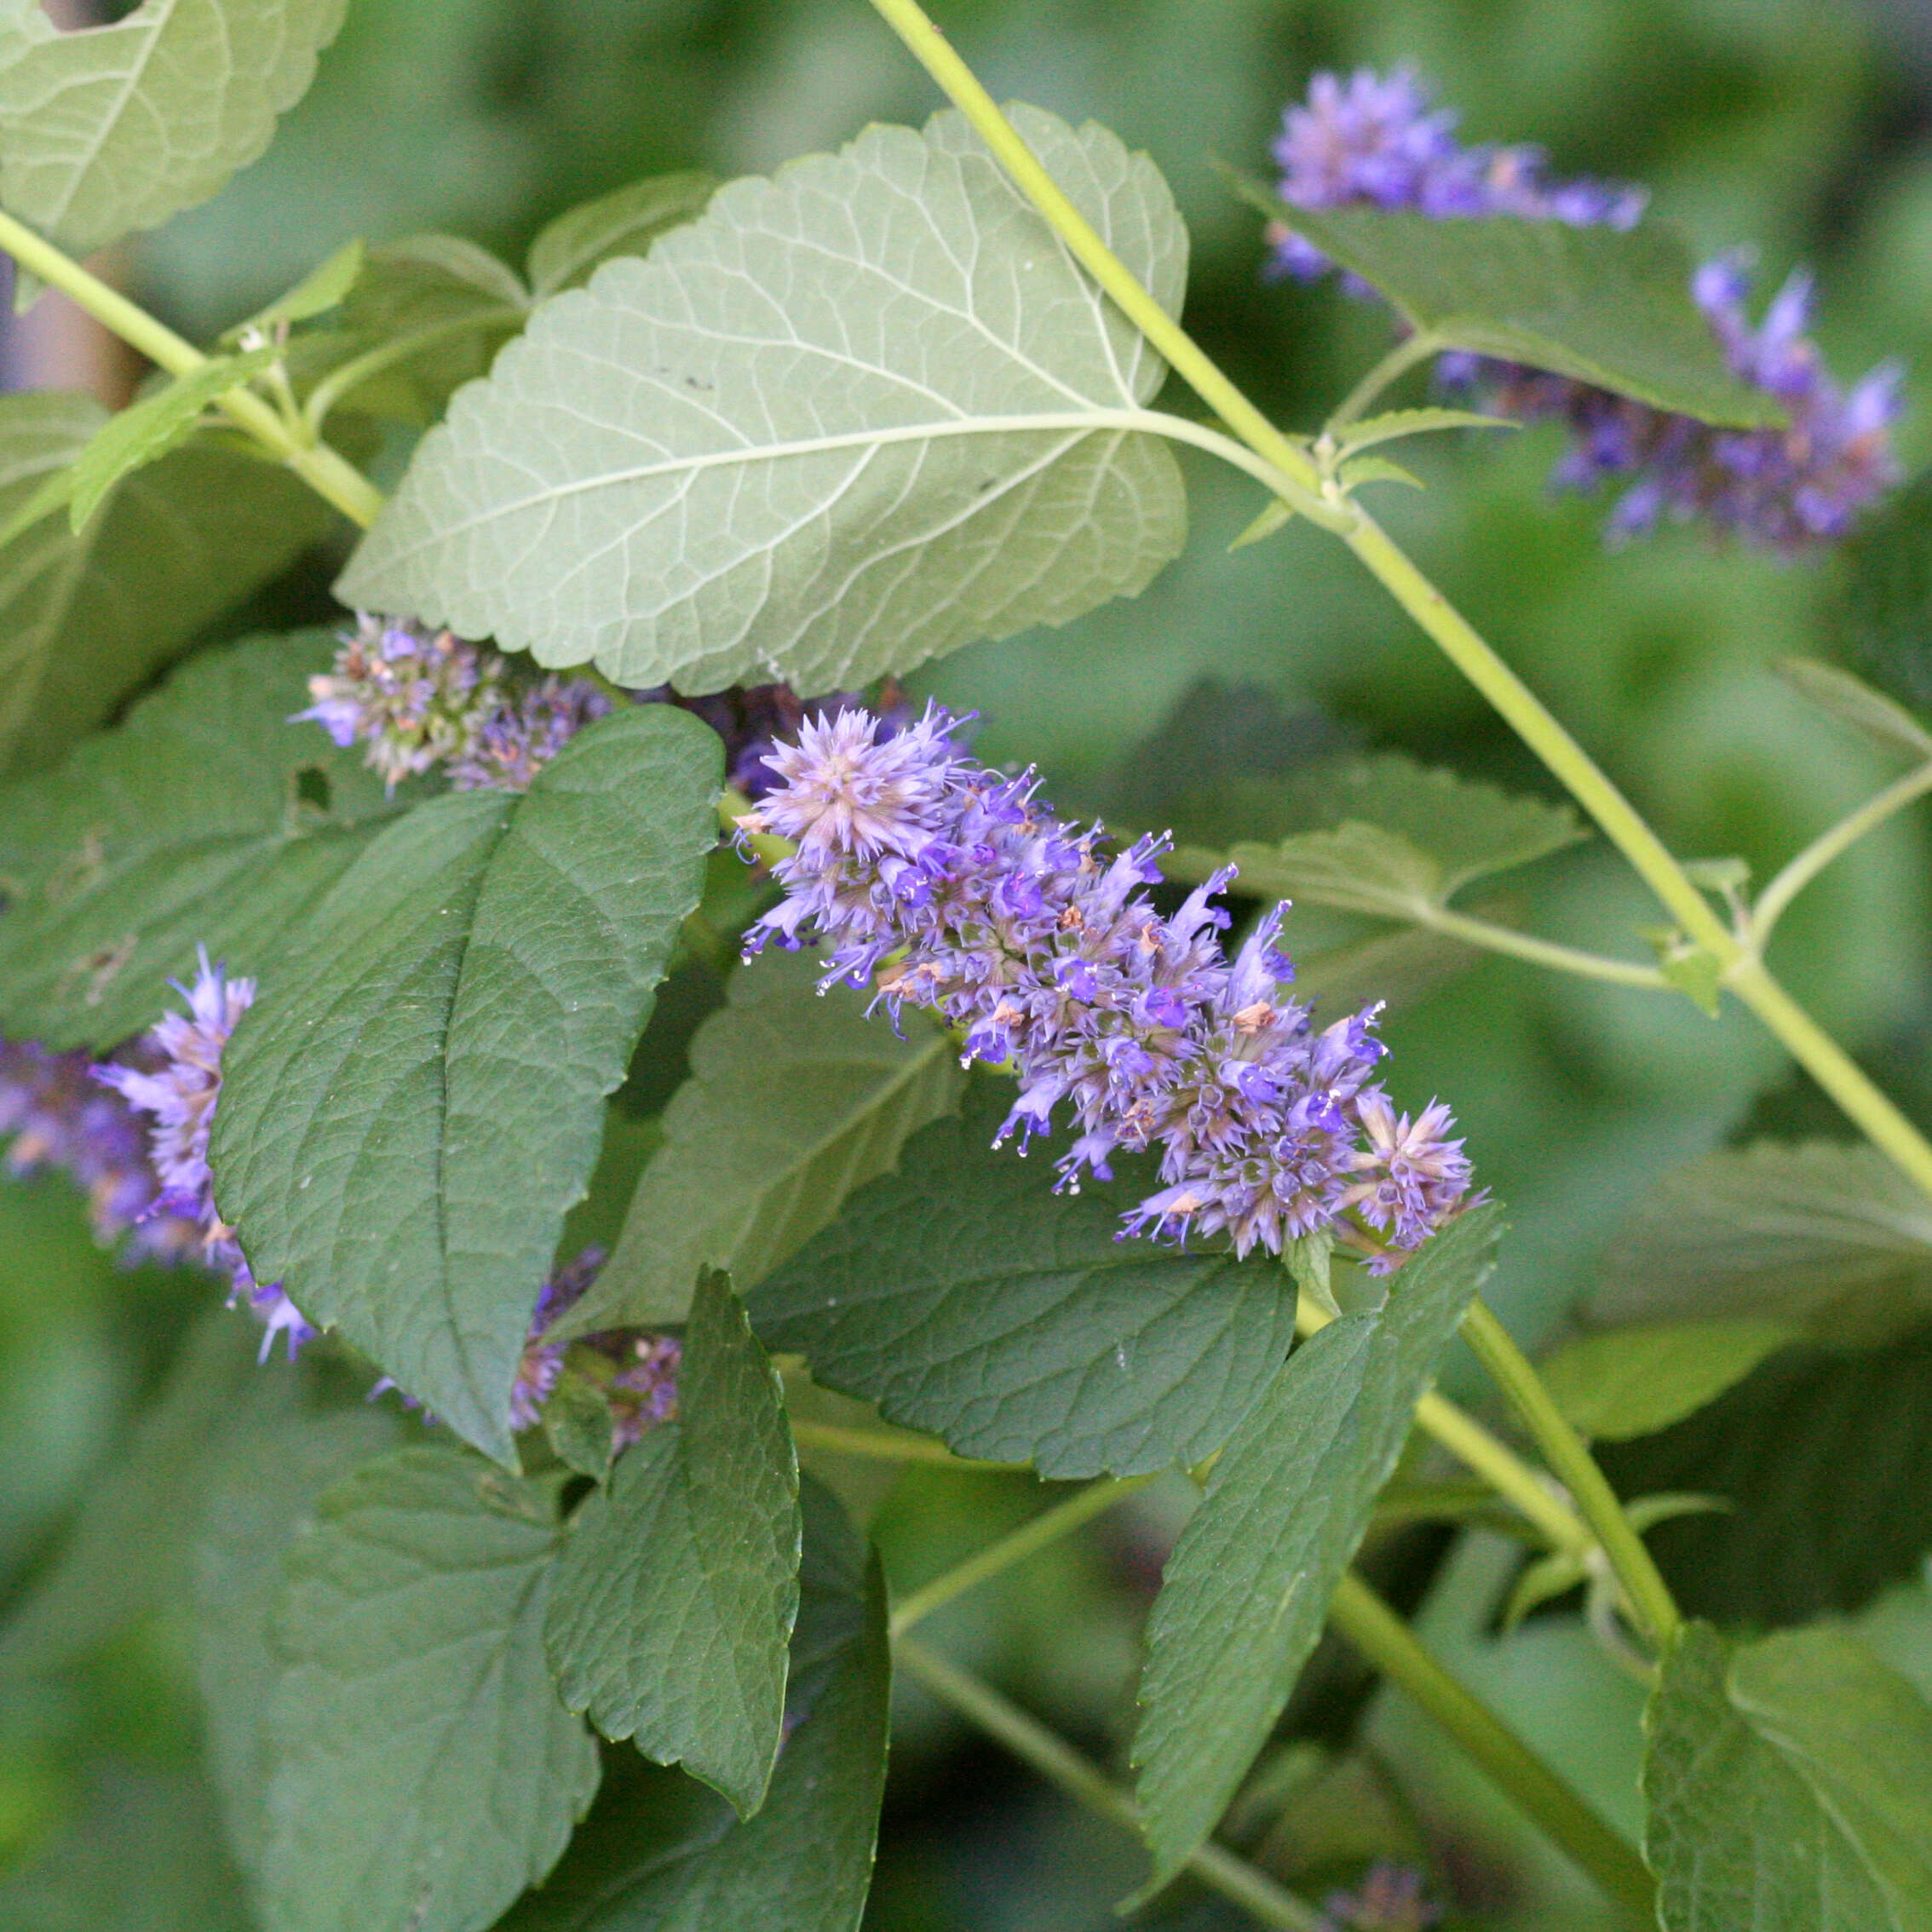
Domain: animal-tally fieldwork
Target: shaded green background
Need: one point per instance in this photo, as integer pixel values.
(1804, 130)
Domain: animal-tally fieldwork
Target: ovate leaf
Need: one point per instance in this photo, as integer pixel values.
(261, 1494)
(1609, 307)
(679, 1585)
(1789, 1785)
(793, 1101)
(852, 417)
(1823, 1236)
(111, 129)
(661, 1853)
(1247, 1588)
(418, 1096)
(422, 1770)
(624, 222)
(323, 288)
(1632, 1381)
(1389, 838)
(964, 1297)
(86, 618)
(207, 819)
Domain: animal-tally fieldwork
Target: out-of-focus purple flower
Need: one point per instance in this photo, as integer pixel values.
(643, 1392)
(520, 734)
(1390, 1901)
(961, 892)
(178, 1091)
(1378, 141)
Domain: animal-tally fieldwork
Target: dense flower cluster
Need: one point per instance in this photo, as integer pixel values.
(178, 1091)
(423, 701)
(1377, 140)
(955, 888)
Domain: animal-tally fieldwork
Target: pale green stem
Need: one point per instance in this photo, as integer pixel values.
(1233, 1878)
(1395, 364)
(1360, 1616)
(1648, 1594)
(1770, 904)
(1047, 1527)
(1539, 953)
(878, 1446)
(326, 472)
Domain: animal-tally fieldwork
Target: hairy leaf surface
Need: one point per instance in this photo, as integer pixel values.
(87, 618)
(1609, 307)
(1790, 1788)
(1632, 1381)
(1246, 1590)
(1824, 1236)
(853, 417)
(111, 129)
(418, 1096)
(187, 825)
(661, 1853)
(793, 1101)
(422, 1770)
(679, 1585)
(965, 1297)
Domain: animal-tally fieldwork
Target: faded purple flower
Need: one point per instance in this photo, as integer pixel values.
(179, 1094)
(1390, 1901)
(517, 735)
(957, 889)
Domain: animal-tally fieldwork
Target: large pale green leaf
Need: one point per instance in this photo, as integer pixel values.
(86, 618)
(853, 417)
(1824, 1236)
(418, 1096)
(116, 128)
(1611, 307)
(207, 819)
(1790, 1788)
(1389, 838)
(422, 1771)
(965, 1297)
(679, 1585)
(793, 1101)
(661, 1853)
(1632, 1381)
(261, 1494)
(1246, 1590)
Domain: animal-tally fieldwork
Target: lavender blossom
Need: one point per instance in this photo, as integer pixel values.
(1376, 141)
(516, 737)
(1390, 1901)
(954, 888)
(180, 1095)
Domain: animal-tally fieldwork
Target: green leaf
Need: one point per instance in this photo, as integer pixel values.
(1879, 615)
(261, 1494)
(1609, 307)
(1827, 1460)
(661, 1853)
(111, 129)
(1397, 423)
(1821, 1236)
(417, 1095)
(793, 1101)
(1790, 1788)
(123, 1554)
(1633, 1381)
(576, 1424)
(323, 288)
(86, 618)
(188, 825)
(1247, 1588)
(784, 446)
(1389, 838)
(1854, 702)
(145, 431)
(678, 1586)
(625, 222)
(965, 1297)
(143, 1855)
(422, 1772)
(1359, 470)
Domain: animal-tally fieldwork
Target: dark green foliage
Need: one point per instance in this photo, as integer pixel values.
(1881, 613)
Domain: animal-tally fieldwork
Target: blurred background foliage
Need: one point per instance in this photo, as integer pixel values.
(1800, 128)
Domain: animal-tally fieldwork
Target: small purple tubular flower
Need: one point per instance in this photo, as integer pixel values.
(179, 1095)
(961, 892)
(1376, 141)
(1390, 1901)
(515, 737)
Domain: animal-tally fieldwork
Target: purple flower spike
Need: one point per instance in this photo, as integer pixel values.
(1041, 951)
